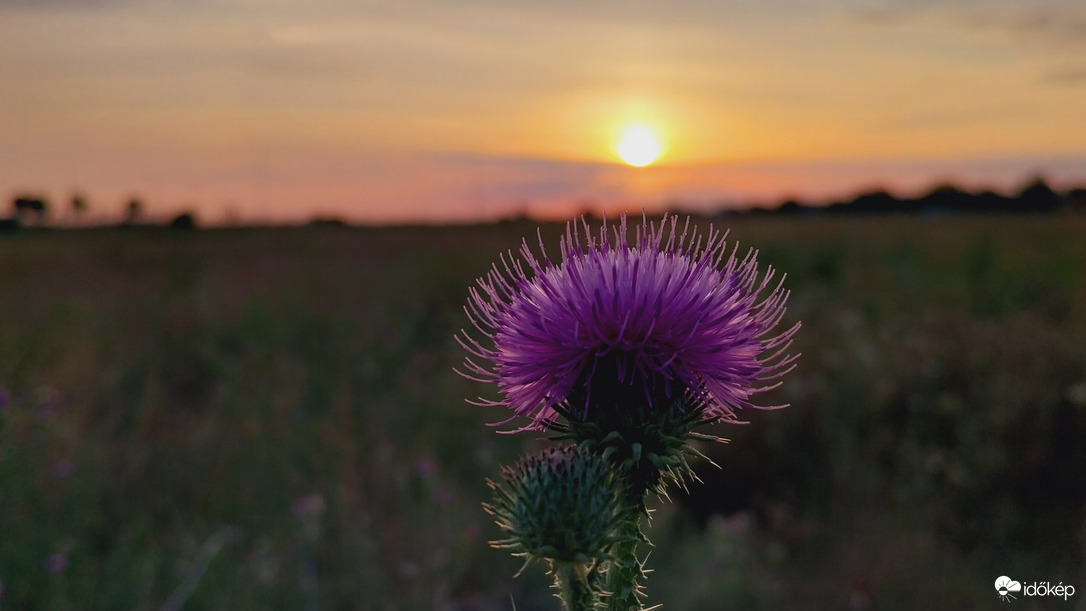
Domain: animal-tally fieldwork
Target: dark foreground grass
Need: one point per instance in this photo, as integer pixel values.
(268, 419)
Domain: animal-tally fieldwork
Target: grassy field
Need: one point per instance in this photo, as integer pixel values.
(268, 419)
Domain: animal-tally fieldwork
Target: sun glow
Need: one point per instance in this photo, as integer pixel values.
(639, 146)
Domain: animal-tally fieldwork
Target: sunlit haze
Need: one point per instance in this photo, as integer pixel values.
(435, 110)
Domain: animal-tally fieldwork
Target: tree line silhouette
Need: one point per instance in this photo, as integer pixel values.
(1035, 197)
(30, 210)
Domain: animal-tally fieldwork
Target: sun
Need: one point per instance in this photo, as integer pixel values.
(639, 146)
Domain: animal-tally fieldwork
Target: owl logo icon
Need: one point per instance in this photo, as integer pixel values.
(1004, 586)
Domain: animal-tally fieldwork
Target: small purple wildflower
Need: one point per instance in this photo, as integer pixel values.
(672, 313)
(308, 505)
(56, 563)
(425, 468)
(5, 399)
(63, 468)
(48, 402)
(443, 496)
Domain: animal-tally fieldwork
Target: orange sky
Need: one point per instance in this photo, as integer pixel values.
(459, 110)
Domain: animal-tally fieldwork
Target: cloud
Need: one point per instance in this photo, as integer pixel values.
(526, 179)
(310, 64)
(54, 5)
(93, 5)
(1060, 23)
(1064, 27)
(1067, 76)
(952, 117)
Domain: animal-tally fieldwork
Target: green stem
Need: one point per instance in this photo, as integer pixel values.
(573, 587)
(622, 578)
(625, 574)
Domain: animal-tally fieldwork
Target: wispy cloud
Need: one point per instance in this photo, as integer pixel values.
(62, 5)
(1068, 76)
(979, 113)
(1054, 23)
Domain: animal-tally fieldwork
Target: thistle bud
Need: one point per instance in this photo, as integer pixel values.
(560, 505)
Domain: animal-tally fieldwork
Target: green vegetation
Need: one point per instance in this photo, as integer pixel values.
(268, 419)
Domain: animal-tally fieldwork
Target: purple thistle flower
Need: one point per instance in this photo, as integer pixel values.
(673, 313)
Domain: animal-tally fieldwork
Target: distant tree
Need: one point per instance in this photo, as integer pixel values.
(27, 206)
(183, 221)
(946, 197)
(1037, 196)
(790, 207)
(327, 221)
(589, 210)
(990, 201)
(133, 211)
(1076, 198)
(79, 207)
(878, 200)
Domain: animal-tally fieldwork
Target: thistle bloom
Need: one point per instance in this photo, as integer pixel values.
(672, 314)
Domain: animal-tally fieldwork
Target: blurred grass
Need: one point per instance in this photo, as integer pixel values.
(278, 406)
